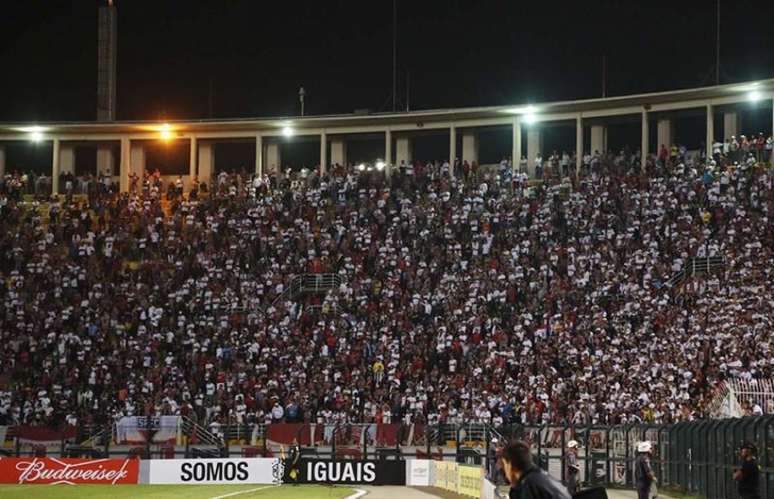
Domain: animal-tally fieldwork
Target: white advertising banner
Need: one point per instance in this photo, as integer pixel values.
(215, 471)
(418, 472)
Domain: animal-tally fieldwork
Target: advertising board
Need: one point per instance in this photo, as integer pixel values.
(35, 470)
(215, 471)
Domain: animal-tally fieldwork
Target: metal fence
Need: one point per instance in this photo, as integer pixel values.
(695, 457)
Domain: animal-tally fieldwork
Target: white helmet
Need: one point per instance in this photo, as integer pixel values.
(572, 444)
(644, 446)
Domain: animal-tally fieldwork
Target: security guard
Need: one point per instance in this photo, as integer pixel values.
(747, 475)
(643, 472)
(573, 469)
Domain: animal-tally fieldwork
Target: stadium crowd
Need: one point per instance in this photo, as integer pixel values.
(474, 297)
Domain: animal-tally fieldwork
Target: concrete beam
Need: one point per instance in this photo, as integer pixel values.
(644, 146)
(105, 161)
(516, 144)
(730, 125)
(339, 151)
(323, 153)
(124, 165)
(403, 150)
(534, 149)
(710, 137)
(470, 146)
(578, 143)
(258, 155)
(193, 159)
(55, 169)
(205, 162)
(137, 159)
(273, 157)
(598, 139)
(66, 158)
(452, 149)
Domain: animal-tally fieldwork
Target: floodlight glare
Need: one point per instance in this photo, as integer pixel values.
(530, 118)
(361, 167)
(380, 165)
(165, 132)
(754, 96)
(36, 136)
(287, 131)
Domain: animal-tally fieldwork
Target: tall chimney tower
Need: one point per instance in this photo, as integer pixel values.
(106, 63)
(106, 80)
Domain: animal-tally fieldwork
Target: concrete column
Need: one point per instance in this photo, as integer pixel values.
(2, 160)
(124, 165)
(273, 157)
(323, 153)
(772, 129)
(470, 146)
(388, 151)
(137, 160)
(730, 125)
(516, 145)
(598, 139)
(403, 150)
(578, 143)
(205, 163)
(665, 134)
(55, 169)
(452, 149)
(534, 147)
(258, 155)
(710, 139)
(66, 158)
(339, 151)
(644, 147)
(193, 161)
(105, 163)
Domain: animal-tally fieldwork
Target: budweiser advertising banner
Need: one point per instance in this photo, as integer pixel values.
(35, 470)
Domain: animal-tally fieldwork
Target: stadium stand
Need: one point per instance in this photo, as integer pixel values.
(418, 298)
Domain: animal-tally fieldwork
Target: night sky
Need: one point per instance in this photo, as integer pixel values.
(458, 53)
(256, 54)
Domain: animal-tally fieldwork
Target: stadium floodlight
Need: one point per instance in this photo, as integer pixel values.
(380, 164)
(35, 133)
(754, 96)
(361, 167)
(36, 136)
(287, 131)
(530, 118)
(165, 132)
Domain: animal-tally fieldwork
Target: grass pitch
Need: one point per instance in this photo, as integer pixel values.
(172, 491)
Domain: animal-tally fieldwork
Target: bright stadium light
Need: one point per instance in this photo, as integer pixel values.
(287, 131)
(35, 133)
(380, 165)
(530, 118)
(36, 136)
(754, 96)
(361, 167)
(165, 132)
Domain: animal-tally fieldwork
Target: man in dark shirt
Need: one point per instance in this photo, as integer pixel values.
(527, 480)
(747, 475)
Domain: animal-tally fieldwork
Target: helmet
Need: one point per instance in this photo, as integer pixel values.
(572, 444)
(644, 446)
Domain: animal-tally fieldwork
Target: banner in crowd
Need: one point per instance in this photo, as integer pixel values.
(348, 472)
(134, 429)
(68, 471)
(309, 434)
(418, 472)
(215, 471)
(42, 435)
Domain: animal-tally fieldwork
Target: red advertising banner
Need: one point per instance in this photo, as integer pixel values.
(34, 470)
